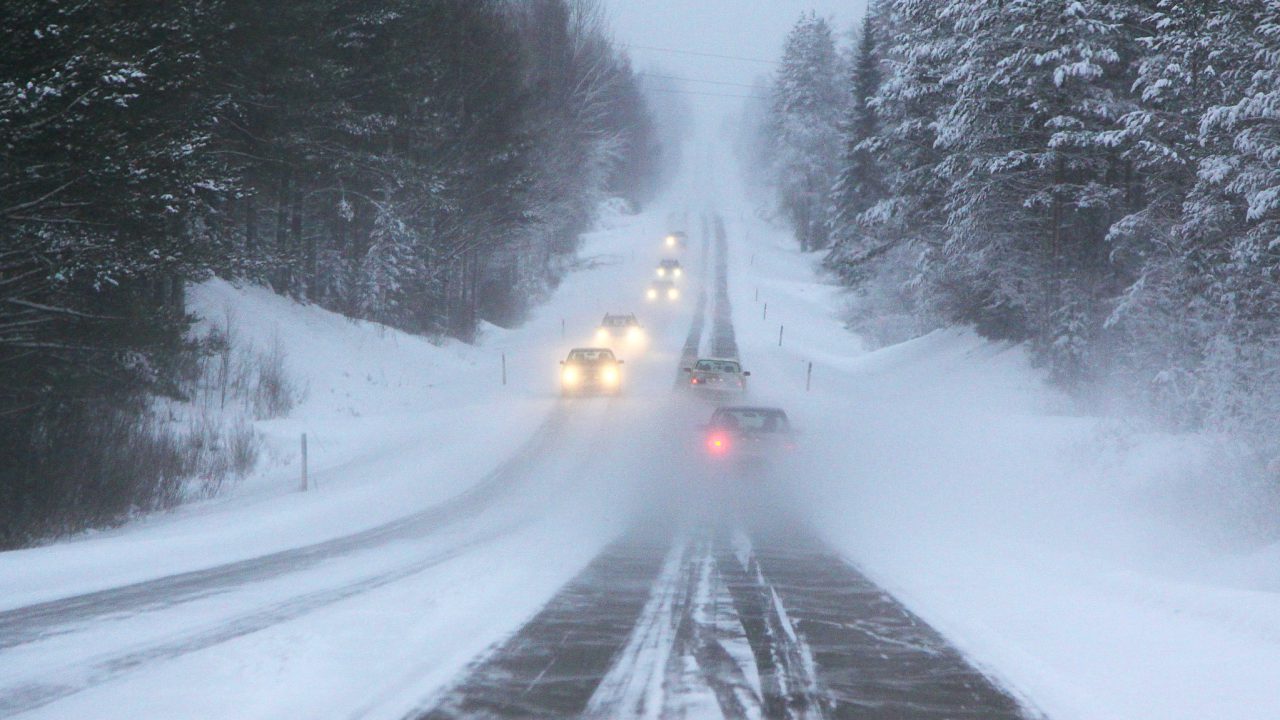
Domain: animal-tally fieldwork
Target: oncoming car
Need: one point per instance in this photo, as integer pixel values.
(662, 290)
(675, 240)
(670, 268)
(717, 375)
(620, 327)
(590, 371)
(745, 432)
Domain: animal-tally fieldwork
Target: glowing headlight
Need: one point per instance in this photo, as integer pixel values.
(672, 294)
(662, 272)
(609, 375)
(602, 334)
(635, 334)
(671, 241)
(569, 376)
(677, 272)
(652, 294)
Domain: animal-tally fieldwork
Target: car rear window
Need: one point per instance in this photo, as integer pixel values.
(717, 366)
(590, 355)
(757, 420)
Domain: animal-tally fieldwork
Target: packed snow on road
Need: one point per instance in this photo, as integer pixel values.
(699, 454)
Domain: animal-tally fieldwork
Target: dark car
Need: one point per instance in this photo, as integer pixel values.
(677, 240)
(590, 371)
(670, 268)
(660, 290)
(717, 375)
(621, 328)
(747, 432)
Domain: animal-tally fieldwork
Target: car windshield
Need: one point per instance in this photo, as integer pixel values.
(618, 321)
(670, 264)
(590, 356)
(752, 419)
(717, 366)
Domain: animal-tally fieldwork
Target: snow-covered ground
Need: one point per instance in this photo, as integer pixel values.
(398, 428)
(1080, 561)
(1100, 571)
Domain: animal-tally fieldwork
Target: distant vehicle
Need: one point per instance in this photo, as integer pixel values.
(662, 290)
(717, 375)
(677, 240)
(670, 268)
(591, 370)
(745, 432)
(620, 327)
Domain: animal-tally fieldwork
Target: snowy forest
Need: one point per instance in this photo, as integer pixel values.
(1098, 179)
(427, 165)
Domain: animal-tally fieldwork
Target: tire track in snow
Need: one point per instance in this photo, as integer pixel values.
(43, 620)
(133, 600)
(553, 665)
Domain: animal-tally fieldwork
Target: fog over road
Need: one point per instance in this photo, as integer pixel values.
(713, 600)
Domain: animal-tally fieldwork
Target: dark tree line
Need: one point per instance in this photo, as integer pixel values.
(1100, 179)
(423, 163)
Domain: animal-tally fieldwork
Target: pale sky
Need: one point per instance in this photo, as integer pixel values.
(745, 29)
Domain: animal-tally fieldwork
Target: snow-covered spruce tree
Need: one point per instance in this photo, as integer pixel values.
(1238, 191)
(904, 226)
(804, 123)
(1033, 176)
(860, 183)
(1158, 334)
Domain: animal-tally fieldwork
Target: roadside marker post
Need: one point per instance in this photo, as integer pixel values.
(304, 462)
(808, 377)
(780, 329)
(765, 316)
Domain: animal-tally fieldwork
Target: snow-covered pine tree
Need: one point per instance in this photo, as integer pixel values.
(805, 119)
(860, 183)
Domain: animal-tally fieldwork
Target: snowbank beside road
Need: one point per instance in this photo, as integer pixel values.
(1102, 571)
(381, 410)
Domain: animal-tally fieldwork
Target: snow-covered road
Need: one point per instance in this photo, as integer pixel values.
(938, 549)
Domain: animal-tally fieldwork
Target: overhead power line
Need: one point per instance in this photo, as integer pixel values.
(700, 54)
(696, 80)
(706, 94)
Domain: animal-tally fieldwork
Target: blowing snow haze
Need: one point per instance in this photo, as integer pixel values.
(465, 359)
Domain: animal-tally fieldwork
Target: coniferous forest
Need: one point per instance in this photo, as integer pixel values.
(1098, 179)
(427, 165)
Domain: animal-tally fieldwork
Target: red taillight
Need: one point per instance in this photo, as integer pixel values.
(718, 444)
(694, 381)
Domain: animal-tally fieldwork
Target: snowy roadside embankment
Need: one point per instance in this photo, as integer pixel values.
(395, 423)
(1100, 570)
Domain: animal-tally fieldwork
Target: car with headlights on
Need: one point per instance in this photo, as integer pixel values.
(676, 240)
(745, 432)
(660, 290)
(670, 268)
(591, 371)
(620, 328)
(717, 375)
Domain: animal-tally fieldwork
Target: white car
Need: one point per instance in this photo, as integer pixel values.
(717, 375)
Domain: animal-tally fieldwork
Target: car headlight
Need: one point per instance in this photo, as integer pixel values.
(570, 376)
(671, 241)
(609, 375)
(662, 272)
(652, 294)
(672, 294)
(602, 334)
(635, 334)
(677, 272)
